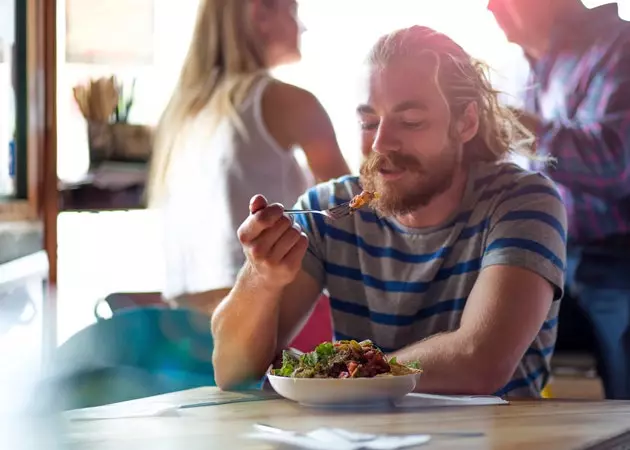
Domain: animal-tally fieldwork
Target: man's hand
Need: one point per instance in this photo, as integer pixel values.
(273, 244)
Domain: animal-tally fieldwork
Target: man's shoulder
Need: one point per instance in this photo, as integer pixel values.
(508, 179)
(526, 223)
(513, 196)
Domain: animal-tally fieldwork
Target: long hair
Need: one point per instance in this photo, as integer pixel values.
(462, 80)
(223, 61)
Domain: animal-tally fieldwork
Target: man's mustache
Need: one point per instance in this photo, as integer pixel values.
(376, 161)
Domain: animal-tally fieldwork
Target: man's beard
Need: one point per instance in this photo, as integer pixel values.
(403, 196)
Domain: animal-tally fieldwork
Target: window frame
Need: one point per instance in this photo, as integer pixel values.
(35, 152)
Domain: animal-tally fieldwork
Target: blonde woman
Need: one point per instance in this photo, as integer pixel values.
(229, 132)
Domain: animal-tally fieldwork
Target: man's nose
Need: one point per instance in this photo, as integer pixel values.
(385, 140)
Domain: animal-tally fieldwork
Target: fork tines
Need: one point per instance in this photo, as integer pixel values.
(339, 211)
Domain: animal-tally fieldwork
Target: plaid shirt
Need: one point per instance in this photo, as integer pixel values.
(581, 91)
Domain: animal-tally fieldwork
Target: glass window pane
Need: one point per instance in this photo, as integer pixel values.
(7, 103)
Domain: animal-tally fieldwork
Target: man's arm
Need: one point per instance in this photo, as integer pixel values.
(254, 323)
(593, 152)
(262, 314)
(522, 272)
(503, 315)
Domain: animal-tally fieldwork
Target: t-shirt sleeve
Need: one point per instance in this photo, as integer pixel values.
(528, 229)
(314, 226)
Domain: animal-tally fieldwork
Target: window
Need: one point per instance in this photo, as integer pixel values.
(7, 108)
(21, 108)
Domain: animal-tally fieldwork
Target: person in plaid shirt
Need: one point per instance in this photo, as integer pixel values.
(578, 105)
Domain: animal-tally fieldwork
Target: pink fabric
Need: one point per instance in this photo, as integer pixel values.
(317, 329)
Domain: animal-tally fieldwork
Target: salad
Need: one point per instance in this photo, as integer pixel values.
(343, 359)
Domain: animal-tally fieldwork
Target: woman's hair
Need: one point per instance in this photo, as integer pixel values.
(223, 61)
(461, 79)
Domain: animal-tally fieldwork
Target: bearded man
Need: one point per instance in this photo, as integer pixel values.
(458, 265)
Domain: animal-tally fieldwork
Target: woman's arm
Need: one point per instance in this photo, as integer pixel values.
(294, 116)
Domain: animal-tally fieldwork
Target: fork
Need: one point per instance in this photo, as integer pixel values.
(334, 213)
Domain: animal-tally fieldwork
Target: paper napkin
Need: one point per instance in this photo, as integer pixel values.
(339, 439)
(431, 400)
(127, 410)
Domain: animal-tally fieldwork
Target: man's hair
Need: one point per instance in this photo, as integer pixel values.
(461, 79)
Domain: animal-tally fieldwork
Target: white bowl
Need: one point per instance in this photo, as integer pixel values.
(344, 391)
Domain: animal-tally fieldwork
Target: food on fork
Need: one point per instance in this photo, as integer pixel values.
(363, 199)
(343, 359)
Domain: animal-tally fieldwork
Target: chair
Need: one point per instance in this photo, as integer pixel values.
(137, 353)
(147, 349)
(316, 330)
(121, 301)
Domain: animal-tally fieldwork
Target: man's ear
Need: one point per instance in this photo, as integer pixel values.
(468, 123)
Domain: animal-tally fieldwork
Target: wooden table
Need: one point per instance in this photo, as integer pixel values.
(544, 424)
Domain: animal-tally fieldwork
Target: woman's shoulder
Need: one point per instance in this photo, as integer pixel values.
(289, 97)
(291, 112)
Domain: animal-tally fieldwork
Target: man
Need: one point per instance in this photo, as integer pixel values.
(460, 267)
(579, 107)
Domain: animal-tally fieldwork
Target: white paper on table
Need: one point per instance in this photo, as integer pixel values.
(431, 400)
(126, 410)
(166, 404)
(339, 439)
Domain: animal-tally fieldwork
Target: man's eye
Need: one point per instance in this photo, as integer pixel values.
(414, 124)
(369, 125)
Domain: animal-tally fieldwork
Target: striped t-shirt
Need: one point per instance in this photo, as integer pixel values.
(397, 286)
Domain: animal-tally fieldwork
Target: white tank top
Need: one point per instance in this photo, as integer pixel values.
(211, 182)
